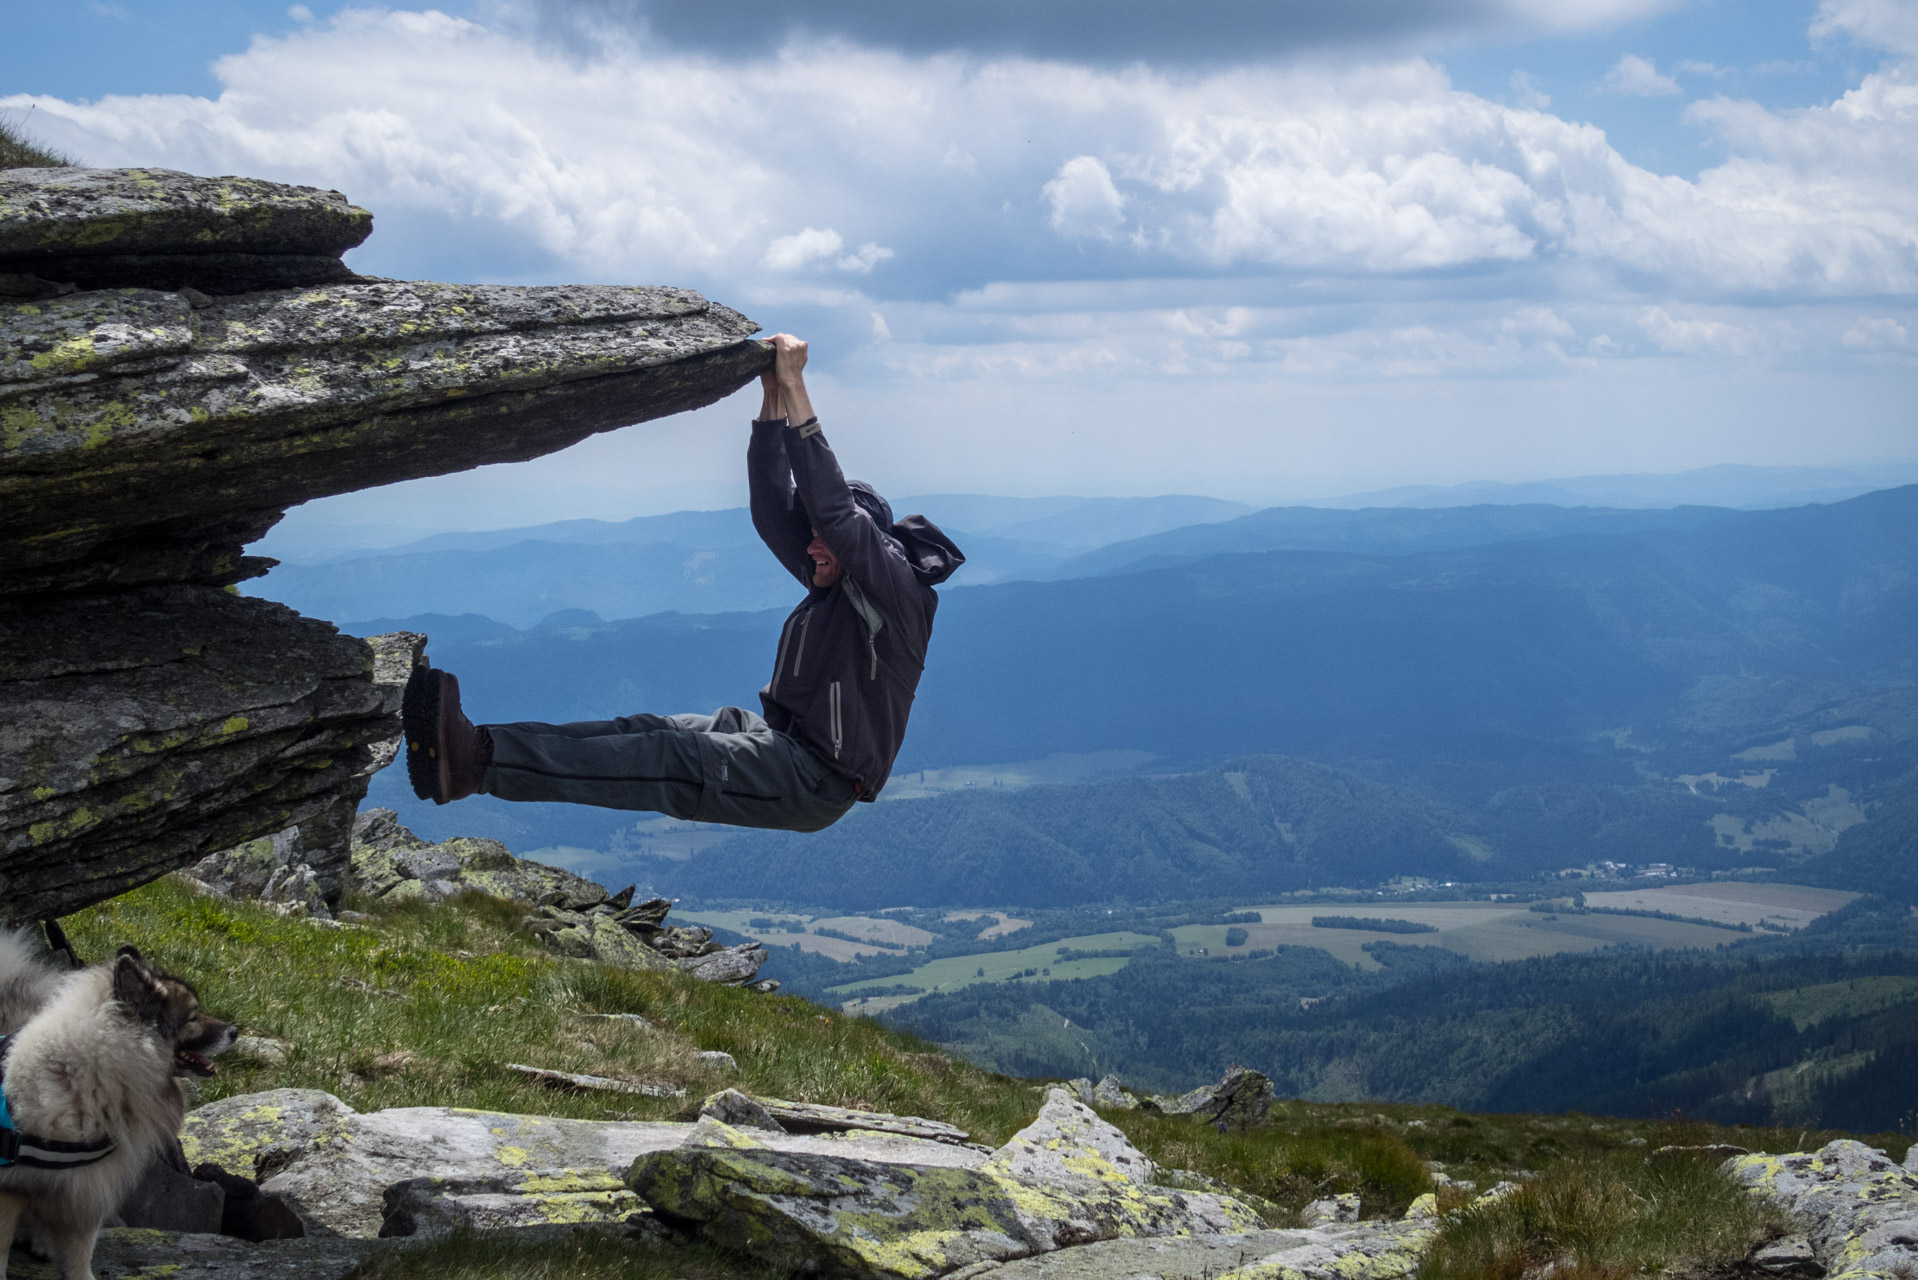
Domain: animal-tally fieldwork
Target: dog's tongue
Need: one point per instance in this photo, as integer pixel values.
(193, 1061)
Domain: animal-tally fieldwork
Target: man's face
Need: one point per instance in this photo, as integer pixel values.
(826, 568)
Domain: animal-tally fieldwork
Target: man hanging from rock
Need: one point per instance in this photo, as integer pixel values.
(849, 660)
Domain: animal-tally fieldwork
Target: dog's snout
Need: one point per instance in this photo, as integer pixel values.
(231, 1035)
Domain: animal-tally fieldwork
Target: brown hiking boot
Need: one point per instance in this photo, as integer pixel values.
(445, 754)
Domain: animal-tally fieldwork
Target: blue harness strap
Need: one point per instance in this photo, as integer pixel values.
(24, 1149)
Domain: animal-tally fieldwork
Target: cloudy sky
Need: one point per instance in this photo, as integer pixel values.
(1264, 249)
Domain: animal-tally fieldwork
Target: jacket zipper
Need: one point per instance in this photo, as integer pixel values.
(779, 663)
(799, 654)
(833, 701)
(872, 647)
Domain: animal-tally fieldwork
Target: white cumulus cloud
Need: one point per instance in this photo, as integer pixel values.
(1879, 333)
(802, 249)
(1084, 200)
(1638, 77)
(1094, 194)
(1885, 24)
(1687, 336)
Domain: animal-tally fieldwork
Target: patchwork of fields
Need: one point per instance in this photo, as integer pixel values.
(1040, 963)
(1494, 931)
(1714, 914)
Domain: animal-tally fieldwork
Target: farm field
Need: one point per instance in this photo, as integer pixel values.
(876, 930)
(1791, 905)
(1495, 931)
(1002, 923)
(953, 972)
(1489, 932)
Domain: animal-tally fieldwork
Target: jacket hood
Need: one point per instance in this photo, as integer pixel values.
(932, 555)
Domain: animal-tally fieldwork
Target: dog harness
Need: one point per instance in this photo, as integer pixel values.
(22, 1148)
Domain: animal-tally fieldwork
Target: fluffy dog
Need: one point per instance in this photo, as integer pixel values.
(93, 1060)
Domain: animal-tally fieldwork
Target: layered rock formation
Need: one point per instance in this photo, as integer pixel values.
(164, 397)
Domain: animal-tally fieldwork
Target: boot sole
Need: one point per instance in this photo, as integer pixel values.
(420, 719)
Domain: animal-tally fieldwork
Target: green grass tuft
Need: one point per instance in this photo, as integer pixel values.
(1290, 1164)
(1606, 1220)
(18, 151)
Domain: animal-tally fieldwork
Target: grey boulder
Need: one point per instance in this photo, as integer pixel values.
(1065, 1181)
(1237, 1101)
(335, 1166)
(1860, 1207)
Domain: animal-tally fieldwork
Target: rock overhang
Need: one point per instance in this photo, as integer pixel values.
(182, 359)
(133, 413)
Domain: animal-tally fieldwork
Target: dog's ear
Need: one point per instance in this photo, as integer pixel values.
(128, 949)
(133, 982)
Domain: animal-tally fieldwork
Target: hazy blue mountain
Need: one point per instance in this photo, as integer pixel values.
(1560, 687)
(727, 527)
(713, 562)
(525, 581)
(1725, 485)
(1385, 531)
(689, 561)
(1076, 524)
(1310, 652)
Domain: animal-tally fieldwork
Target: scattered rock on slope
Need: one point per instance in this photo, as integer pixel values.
(1238, 1101)
(574, 916)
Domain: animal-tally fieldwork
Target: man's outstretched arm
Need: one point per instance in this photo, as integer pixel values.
(865, 551)
(782, 524)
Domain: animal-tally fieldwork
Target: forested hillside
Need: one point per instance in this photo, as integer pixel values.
(1257, 825)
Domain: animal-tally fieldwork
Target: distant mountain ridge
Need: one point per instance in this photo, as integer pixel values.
(1726, 485)
(712, 562)
(1560, 688)
(687, 561)
(1387, 531)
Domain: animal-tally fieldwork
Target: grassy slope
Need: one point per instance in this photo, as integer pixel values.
(469, 993)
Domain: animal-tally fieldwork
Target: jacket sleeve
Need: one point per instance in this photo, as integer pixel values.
(782, 524)
(866, 553)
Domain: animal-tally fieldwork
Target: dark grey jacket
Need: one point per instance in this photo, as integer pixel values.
(851, 654)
